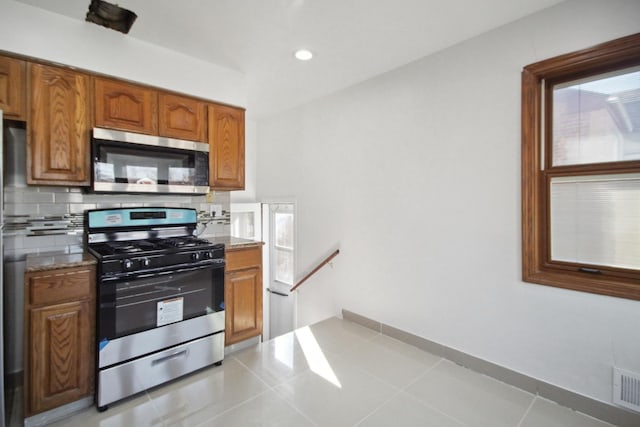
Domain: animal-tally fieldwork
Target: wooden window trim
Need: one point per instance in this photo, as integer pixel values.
(536, 267)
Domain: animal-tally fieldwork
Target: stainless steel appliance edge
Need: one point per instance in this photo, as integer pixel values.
(136, 345)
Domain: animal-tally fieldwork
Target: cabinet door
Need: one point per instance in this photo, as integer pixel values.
(12, 88)
(61, 355)
(124, 106)
(181, 117)
(243, 305)
(226, 139)
(57, 150)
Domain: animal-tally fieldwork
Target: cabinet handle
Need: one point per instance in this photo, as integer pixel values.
(277, 293)
(175, 355)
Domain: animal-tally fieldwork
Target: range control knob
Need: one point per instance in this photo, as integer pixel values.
(146, 262)
(195, 256)
(127, 264)
(208, 254)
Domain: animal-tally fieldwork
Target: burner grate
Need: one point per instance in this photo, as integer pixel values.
(122, 248)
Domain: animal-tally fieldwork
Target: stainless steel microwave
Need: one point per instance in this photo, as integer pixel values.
(127, 162)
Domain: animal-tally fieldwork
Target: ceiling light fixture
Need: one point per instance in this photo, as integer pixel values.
(110, 16)
(303, 55)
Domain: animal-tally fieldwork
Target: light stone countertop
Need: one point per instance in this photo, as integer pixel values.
(57, 260)
(233, 242)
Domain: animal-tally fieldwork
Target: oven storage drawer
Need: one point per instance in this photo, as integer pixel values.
(137, 345)
(135, 376)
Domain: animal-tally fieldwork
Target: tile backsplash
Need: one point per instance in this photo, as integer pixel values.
(43, 219)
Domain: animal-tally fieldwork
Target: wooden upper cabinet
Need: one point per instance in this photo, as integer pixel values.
(58, 127)
(124, 106)
(181, 117)
(13, 88)
(226, 140)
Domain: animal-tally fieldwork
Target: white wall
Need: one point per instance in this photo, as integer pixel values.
(35, 32)
(416, 176)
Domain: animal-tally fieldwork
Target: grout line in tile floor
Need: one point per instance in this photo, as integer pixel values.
(291, 405)
(231, 408)
(524, 416)
(370, 414)
(154, 406)
(433, 408)
(399, 390)
(404, 390)
(423, 374)
(269, 388)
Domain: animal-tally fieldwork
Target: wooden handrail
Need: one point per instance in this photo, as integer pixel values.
(315, 270)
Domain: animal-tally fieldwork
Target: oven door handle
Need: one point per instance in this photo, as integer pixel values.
(163, 359)
(172, 270)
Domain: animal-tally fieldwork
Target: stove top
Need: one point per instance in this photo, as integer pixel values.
(145, 246)
(128, 241)
(125, 258)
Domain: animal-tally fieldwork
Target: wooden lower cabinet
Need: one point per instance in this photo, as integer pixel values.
(59, 335)
(243, 294)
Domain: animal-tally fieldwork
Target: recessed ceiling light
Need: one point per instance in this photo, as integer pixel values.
(303, 55)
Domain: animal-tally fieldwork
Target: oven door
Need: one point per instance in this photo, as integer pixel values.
(131, 305)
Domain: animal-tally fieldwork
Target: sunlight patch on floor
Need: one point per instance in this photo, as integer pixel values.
(316, 359)
(284, 349)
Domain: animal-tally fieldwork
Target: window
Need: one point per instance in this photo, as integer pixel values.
(283, 243)
(581, 170)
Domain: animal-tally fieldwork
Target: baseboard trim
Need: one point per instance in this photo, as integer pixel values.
(595, 408)
(233, 348)
(59, 413)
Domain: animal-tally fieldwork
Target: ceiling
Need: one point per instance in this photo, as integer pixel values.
(352, 40)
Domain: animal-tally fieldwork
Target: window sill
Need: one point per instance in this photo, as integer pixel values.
(584, 282)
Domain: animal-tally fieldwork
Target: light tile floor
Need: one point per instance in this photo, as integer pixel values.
(334, 373)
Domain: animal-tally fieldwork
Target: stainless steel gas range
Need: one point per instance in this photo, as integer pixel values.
(160, 300)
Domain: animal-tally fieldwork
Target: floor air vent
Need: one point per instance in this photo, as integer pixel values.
(626, 389)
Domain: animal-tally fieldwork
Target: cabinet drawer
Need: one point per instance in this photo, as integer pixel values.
(238, 259)
(64, 286)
